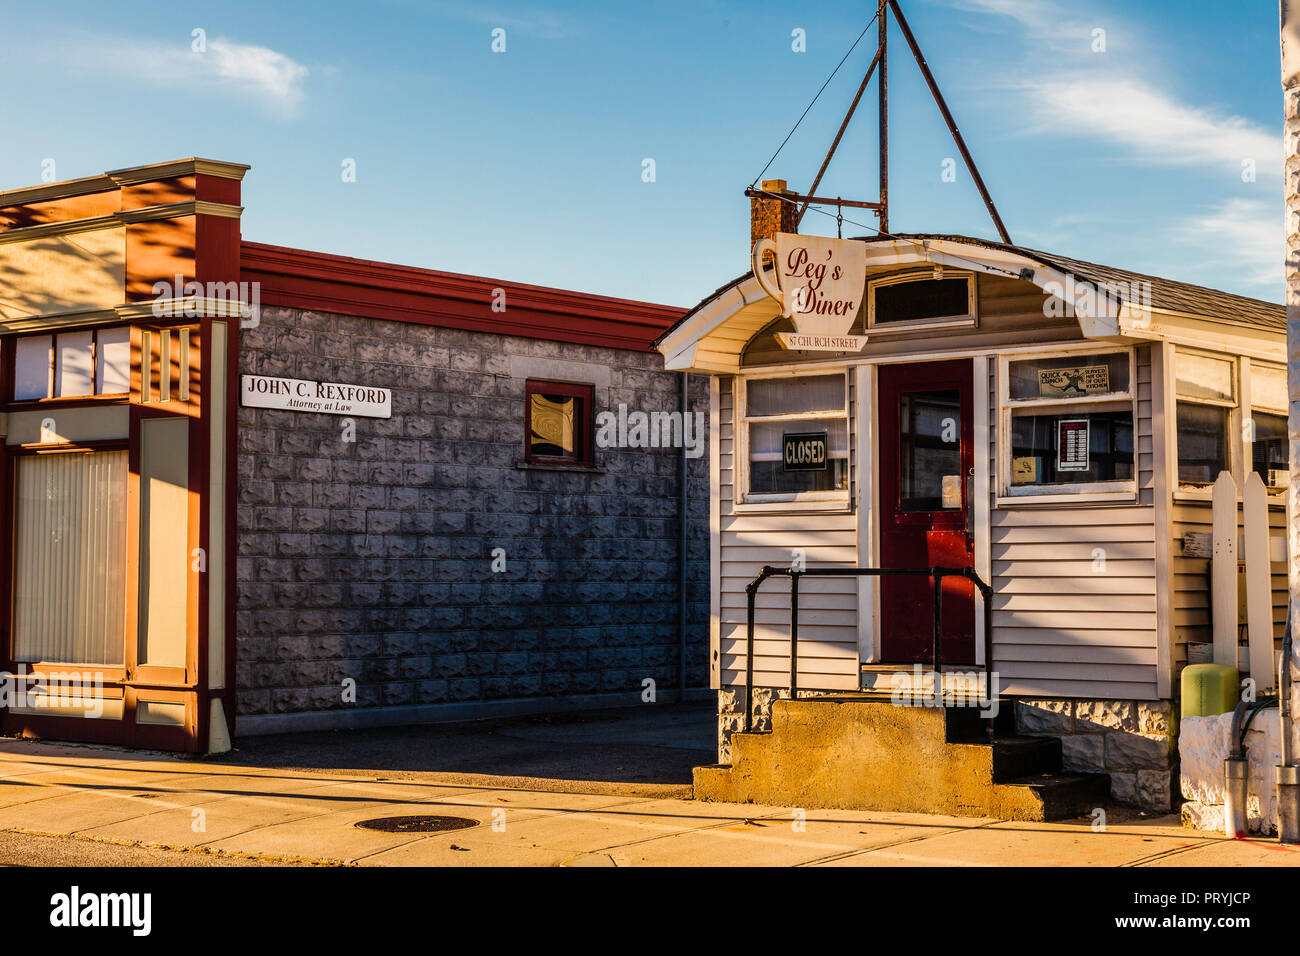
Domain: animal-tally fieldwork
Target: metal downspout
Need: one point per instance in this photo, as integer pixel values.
(682, 470)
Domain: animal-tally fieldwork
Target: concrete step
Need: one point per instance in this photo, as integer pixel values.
(1018, 757)
(1054, 796)
(969, 723)
(863, 751)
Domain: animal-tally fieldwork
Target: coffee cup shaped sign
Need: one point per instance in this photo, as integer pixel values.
(818, 281)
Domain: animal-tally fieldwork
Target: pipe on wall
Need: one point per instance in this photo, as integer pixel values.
(1287, 777)
(684, 404)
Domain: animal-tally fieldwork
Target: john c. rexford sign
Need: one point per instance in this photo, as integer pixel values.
(330, 398)
(819, 283)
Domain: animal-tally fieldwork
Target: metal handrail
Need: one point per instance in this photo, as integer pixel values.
(937, 573)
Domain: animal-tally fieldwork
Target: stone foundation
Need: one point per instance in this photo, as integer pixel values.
(1135, 741)
(731, 712)
(1203, 745)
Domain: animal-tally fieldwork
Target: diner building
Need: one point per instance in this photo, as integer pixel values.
(1053, 424)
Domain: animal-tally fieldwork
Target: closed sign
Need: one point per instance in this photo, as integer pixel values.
(804, 452)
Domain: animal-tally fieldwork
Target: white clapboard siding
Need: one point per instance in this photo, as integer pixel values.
(1071, 569)
(1093, 586)
(828, 608)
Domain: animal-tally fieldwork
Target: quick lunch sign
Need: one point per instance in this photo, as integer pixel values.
(329, 398)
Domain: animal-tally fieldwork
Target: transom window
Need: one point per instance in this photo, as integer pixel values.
(72, 364)
(927, 299)
(797, 436)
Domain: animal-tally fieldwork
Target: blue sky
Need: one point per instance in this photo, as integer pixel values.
(527, 165)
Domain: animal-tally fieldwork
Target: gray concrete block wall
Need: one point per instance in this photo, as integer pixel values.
(372, 559)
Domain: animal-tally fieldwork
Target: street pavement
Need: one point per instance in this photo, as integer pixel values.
(292, 801)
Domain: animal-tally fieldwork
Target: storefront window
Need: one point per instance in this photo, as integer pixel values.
(1071, 423)
(73, 364)
(1269, 450)
(1268, 436)
(70, 558)
(1065, 448)
(1205, 399)
(798, 435)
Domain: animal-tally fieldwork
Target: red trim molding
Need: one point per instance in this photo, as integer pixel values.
(296, 278)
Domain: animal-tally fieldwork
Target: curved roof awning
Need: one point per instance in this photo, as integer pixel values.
(711, 337)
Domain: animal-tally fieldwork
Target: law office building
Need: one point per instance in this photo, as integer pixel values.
(249, 489)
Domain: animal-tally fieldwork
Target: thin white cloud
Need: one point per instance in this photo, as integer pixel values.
(1153, 125)
(272, 78)
(1246, 236)
(1082, 96)
(258, 70)
(1044, 22)
(1102, 96)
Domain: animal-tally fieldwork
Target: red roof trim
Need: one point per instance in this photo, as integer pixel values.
(297, 278)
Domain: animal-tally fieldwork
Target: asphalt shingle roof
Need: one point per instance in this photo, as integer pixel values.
(1166, 294)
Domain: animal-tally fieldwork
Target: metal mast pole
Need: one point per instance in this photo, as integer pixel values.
(883, 17)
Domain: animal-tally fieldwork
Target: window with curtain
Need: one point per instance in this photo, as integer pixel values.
(70, 558)
(785, 412)
(73, 364)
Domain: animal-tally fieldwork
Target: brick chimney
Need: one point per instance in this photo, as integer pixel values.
(768, 216)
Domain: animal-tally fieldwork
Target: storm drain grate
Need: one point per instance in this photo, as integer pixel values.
(417, 824)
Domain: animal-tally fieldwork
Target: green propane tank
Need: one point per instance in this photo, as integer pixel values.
(1209, 689)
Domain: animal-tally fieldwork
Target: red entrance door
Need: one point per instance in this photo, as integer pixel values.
(925, 460)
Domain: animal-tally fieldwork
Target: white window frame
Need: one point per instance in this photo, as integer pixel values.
(969, 320)
(52, 382)
(1186, 491)
(1080, 491)
(745, 501)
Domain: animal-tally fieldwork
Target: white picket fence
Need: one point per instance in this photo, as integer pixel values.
(1261, 659)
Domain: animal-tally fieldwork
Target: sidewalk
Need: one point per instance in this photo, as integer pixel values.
(241, 809)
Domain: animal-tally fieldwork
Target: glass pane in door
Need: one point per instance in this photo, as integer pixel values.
(929, 447)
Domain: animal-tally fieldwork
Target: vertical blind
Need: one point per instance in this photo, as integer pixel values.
(70, 558)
